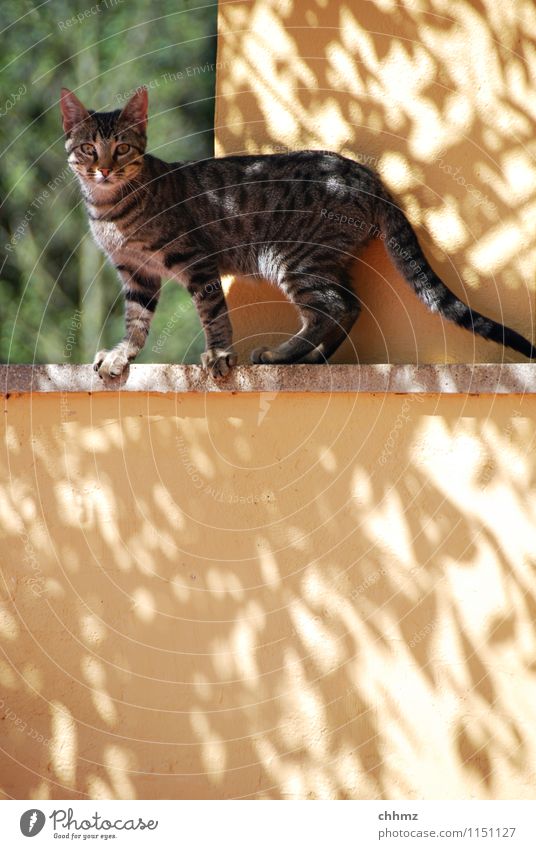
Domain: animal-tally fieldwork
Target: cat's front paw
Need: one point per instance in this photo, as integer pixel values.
(218, 361)
(111, 364)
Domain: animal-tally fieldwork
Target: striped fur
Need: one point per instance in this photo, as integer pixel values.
(297, 219)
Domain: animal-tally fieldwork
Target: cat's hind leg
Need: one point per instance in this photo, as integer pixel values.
(335, 336)
(328, 310)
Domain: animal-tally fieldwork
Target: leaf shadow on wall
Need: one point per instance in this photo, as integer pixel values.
(435, 96)
(202, 600)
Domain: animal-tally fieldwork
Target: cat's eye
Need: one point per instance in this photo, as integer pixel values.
(89, 149)
(121, 149)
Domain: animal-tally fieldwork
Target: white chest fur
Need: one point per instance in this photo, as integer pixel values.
(108, 235)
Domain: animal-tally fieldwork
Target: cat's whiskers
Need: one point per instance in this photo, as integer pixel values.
(136, 189)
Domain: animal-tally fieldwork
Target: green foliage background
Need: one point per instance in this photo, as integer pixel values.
(61, 301)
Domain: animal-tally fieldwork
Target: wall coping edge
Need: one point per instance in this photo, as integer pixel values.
(450, 379)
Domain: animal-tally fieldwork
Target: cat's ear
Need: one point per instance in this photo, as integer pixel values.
(72, 110)
(135, 112)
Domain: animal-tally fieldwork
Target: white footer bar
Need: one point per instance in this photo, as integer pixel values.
(270, 824)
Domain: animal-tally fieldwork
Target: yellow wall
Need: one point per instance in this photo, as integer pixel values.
(268, 595)
(302, 595)
(439, 97)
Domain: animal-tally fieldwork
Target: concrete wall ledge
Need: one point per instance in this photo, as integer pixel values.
(472, 379)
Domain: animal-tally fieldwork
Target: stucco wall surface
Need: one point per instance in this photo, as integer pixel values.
(439, 97)
(287, 594)
(268, 595)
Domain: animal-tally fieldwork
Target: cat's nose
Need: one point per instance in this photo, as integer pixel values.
(105, 171)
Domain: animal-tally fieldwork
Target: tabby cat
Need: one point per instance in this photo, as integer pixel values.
(297, 219)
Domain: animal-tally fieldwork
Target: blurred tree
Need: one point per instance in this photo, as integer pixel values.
(61, 300)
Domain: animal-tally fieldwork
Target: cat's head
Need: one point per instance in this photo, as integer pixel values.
(105, 149)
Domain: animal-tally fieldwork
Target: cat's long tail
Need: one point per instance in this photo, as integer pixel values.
(404, 248)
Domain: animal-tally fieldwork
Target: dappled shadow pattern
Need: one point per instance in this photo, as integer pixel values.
(200, 600)
(436, 96)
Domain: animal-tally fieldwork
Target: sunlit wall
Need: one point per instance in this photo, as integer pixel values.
(302, 595)
(438, 96)
(268, 596)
